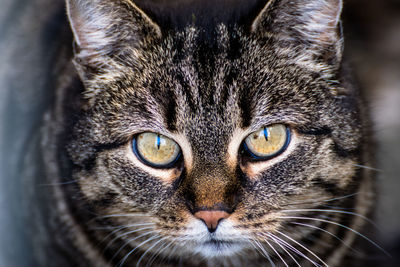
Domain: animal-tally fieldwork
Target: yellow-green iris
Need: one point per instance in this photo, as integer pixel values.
(156, 150)
(268, 141)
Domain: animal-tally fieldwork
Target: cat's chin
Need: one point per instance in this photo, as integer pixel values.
(217, 249)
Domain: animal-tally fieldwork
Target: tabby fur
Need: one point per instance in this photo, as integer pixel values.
(207, 89)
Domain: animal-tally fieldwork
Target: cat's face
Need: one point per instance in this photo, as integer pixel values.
(214, 148)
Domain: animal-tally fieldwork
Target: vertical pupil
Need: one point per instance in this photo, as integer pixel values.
(265, 133)
(158, 141)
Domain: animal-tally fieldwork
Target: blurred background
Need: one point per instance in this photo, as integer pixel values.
(30, 38)
(372, 44)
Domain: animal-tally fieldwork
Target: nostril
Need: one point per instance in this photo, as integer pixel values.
(211, 218)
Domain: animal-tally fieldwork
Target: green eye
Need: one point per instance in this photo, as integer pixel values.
(268, 141)
(156, 150)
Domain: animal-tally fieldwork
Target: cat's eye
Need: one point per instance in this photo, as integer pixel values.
(156, 150)
(267, 142)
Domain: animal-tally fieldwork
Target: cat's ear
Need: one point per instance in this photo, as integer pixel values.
(313, 25)
(103, 27)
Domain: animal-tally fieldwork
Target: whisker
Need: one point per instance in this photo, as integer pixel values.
(172, 252)
(125, 234)
(335, 211)
(61, 183)
(148, 250)
(344, 226)
(326, 231)
(120, 226)
(136, 214)
(322, 200)
(124, 227)
(305, 248)
(284, 249)
(292, 248)
(276, 252)
(262, 251)
(367, 168)
(138, 246)
(129, 241)
(337, 208)
(341, 197)
(154, 256)
(124, 215)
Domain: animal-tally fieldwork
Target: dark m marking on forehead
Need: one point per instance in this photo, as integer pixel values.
(206, 73)
(165, 99)
(170, 113)
(245, 104)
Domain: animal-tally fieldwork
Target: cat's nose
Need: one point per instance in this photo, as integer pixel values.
(211, 218)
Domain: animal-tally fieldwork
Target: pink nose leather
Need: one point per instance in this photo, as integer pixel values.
(211, 218)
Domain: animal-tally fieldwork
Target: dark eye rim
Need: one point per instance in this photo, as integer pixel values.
(253, 157)
(171, 165)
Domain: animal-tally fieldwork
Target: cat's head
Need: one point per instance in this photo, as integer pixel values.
(190, 145)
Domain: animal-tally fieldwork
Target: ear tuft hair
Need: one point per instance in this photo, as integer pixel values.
(313, 25)
(102, 28)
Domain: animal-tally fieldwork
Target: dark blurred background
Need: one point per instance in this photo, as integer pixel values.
(372, 30)
(30, 38)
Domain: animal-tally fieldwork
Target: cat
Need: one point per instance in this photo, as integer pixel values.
(207, 142)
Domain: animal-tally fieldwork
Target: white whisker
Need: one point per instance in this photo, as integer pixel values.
(276, 252)
(341, 197)
(125, 234)
(367, 168)
(321, 200)
(120, 226)
(148, 250)
(326, 231)
(263, 252)
(138, 246)
(124, 227)
(174, 248)
(305, 248)
(129, 241)
(284, 249)
(337, 208)
(335, 211)
(61, 183)
(124, 215)
(341, 225)
(155, 255)
(292, 248)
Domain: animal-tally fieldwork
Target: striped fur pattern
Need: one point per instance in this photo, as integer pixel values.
(208, 90)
